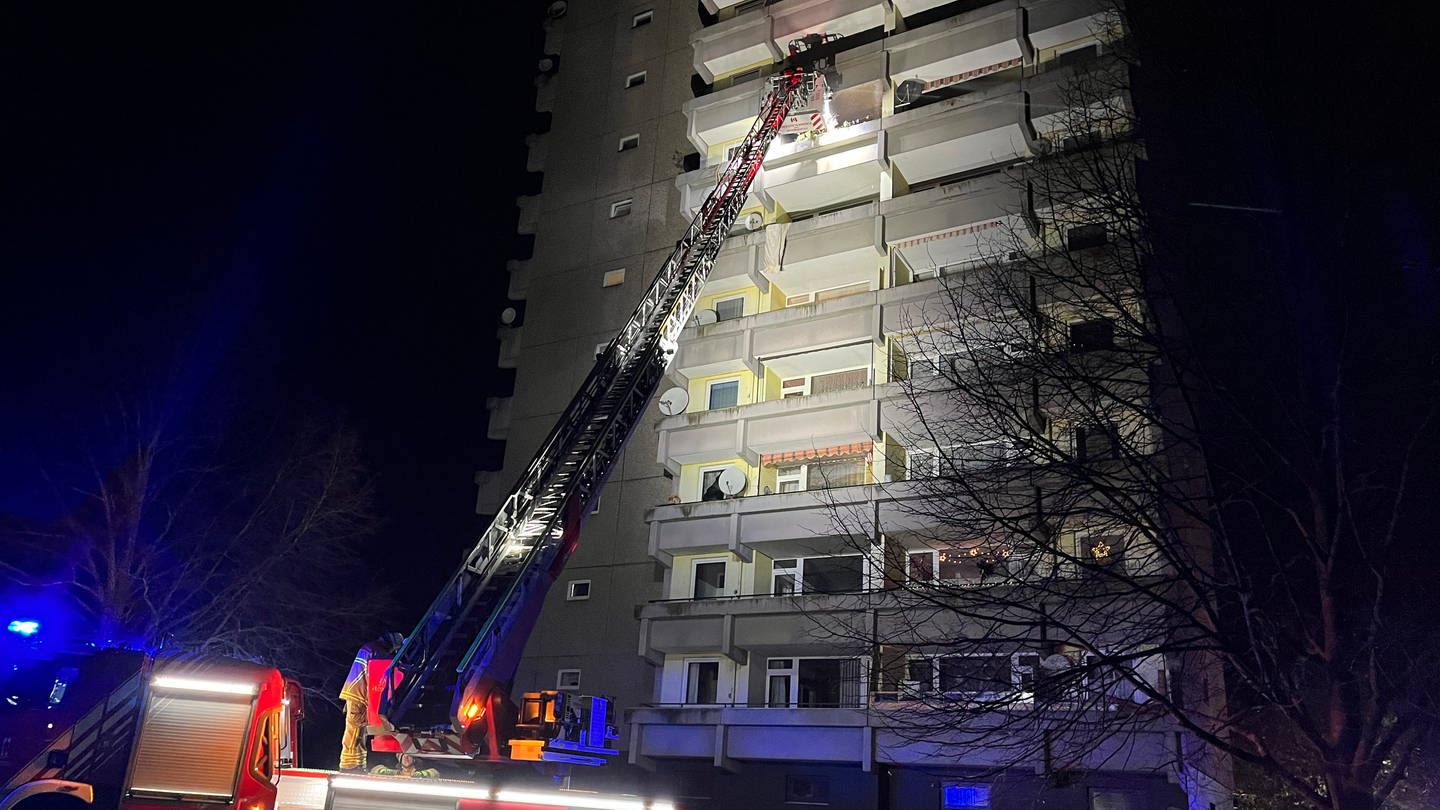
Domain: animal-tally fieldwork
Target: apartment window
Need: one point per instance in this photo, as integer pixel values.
(785, 577)
(803, 789)
(621, 208)
(702, 682)
(841, 292)
(974, 675)
(577, 589)
(1095, 441)
(1085, 236)
(709, 579)
(1092, 334)
(728, 309)
(841, 574)
(631, 141)
(955, 565)
(922, 462)
(741, 78)
(837, 472)
(710, 485)
(567, 679)
(780, 683)
(794, 387)
(1116, 799)
(1101, 549)
(635, 80)
(643, 18)
(723, 394)
(840, 380)
(828, 682)
(964, 796)
(790, 478)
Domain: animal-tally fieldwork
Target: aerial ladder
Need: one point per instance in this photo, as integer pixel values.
(446, 693)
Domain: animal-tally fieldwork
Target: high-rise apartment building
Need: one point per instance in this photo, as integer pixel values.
(722, 586)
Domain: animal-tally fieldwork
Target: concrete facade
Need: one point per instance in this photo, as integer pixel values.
(693, 607)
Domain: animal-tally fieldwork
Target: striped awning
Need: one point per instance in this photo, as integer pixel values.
(790, 456)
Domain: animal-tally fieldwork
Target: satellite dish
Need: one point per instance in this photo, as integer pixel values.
(673, 401)
(909, 90)
(706, 316)
(508, 315)
(557, 9)
(754, 221)
(731, 481)
(1055, 662)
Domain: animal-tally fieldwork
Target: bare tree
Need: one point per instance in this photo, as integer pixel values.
(248, 544)
(1144, 506)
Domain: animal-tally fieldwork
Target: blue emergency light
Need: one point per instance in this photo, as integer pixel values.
(24, 627)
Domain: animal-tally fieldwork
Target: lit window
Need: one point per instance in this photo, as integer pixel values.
(567, 679)
(730, 308)
(964, 796)
(635, 80)
(621, 208)
(613, 278)
(724, 394)
(629, 142)
(643, 18)
(578, 589)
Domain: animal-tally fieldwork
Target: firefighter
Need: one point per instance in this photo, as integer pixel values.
(356, 694)
(407, 768)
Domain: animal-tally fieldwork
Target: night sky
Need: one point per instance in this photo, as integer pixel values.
(281, 203)
(312, 204)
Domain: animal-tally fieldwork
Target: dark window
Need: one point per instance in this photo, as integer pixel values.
(1096, 333)
(1095, 441)
(807, 789)
(1085, 236)
(1078, 56)
(829, 682)
(975, 674)
(702, 682)
(709, 579)
(833, 574)
(729, 309)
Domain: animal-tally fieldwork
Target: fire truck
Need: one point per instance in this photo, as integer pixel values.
(129, 730)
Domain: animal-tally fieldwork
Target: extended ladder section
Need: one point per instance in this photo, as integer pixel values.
(475, 631)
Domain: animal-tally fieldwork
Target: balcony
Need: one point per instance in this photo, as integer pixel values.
(726, 734)
(963, 49)
(736, 626)
(959, 224)
(735, 45)
(959, 135)
(828, 171)
(780, 525)
(829, 251)
(748, 431)
(795, 18)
